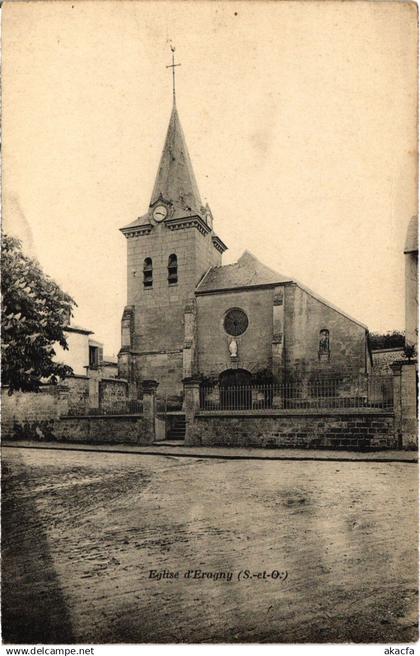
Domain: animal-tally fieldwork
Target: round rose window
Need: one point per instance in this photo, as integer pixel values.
(236, 322)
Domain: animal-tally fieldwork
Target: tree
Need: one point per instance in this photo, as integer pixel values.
(410, 352)
(34, 312)
(394, 339)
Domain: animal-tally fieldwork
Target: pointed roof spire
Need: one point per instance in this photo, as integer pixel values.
(175, 180)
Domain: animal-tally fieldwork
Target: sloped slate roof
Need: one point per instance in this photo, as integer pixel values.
(249, 272)
(411, 241)
(141, 220)
(246, 272)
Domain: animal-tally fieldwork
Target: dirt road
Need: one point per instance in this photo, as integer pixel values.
(81, 532)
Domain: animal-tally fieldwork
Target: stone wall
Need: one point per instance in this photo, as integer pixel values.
(166, 368)
(36, 415)
(254, 346)
(78, 394)
(283, 335)
(383, 359)
(35, 409)
(113, 394)
(123, 429)
(63, 412)
(355, 430)
(304, 317)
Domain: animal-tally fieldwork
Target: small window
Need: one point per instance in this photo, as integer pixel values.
(93, 357)
(324, 344)
(148, 272)
(172, 270)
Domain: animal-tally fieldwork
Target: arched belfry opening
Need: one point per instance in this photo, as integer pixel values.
(148, 272)
(172, 269)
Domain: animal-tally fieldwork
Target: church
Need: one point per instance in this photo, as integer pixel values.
(190, 316)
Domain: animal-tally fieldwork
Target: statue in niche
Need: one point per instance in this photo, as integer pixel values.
(233, 349)
(324, 344)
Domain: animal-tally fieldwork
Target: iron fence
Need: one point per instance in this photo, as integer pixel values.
(324, 393)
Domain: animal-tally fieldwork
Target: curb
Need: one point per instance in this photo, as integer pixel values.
(183, 454)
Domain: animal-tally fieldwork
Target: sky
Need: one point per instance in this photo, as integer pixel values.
(300, 119)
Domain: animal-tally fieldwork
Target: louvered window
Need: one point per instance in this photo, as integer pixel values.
(148, 272)
(172, 270)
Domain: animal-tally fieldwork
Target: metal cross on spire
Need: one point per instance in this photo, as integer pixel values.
(173, 71)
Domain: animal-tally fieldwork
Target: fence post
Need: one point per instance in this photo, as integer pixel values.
(192, 406)
(93, 388)
(149, 408)
(405, 404)
(396, 373)
(63, 394)
(409, 405)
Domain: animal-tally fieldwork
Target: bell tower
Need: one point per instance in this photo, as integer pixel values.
(169, 249)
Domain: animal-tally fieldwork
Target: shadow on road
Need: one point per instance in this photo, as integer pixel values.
(33, 606)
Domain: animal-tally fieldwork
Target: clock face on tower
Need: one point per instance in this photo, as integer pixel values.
(160, 213)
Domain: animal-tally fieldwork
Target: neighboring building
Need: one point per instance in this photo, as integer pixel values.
(384, 358)
(77, 354)
(411, 251)
(189, 316)
(84, 354)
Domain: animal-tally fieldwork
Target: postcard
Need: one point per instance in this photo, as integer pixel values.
(209, 324)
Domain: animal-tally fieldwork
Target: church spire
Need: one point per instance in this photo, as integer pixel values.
(175, 180)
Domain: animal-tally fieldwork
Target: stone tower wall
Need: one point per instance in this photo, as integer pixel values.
(158, 324)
